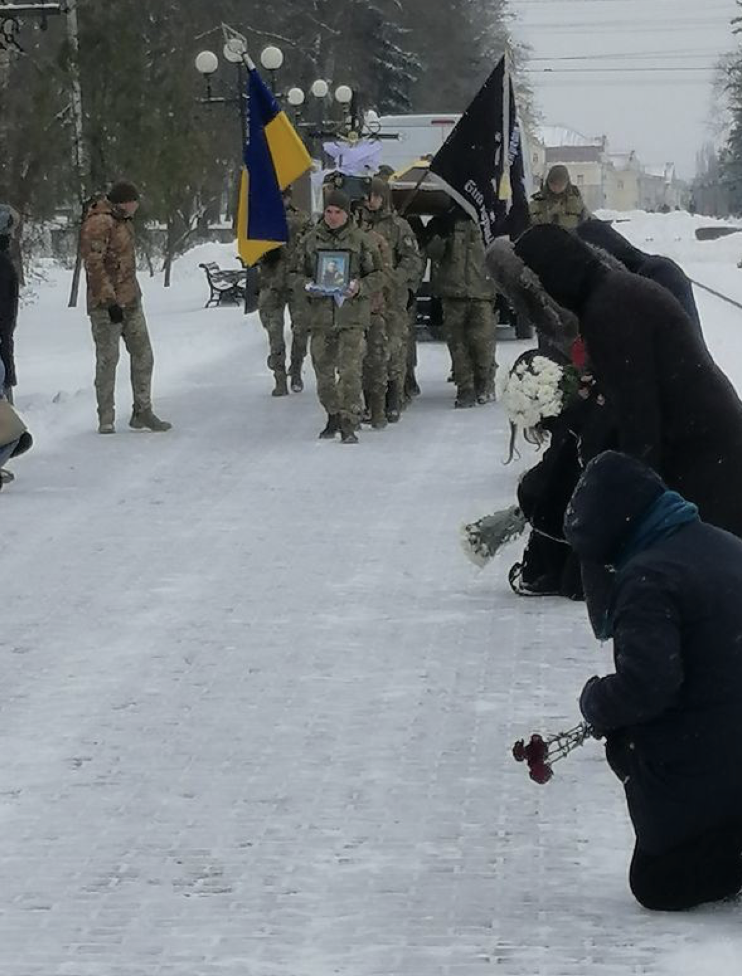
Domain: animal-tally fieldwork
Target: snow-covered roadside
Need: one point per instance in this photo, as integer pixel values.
(256, 709)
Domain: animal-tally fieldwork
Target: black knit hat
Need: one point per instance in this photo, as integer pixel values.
(613, 494)
(338, 198)
(123, 192)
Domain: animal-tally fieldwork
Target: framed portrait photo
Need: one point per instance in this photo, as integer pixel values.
(333, 269)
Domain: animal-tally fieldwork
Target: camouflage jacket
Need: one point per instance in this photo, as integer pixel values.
(405, 255)
(366, 267)
(275, 267)
(566, 209)
(107, 243)
(458, 266)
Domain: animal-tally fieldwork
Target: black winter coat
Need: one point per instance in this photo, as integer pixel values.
(9, 288)
(674, 408)
(663, 271)
(673, 709)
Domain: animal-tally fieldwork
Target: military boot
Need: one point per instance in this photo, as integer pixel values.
(348, 432)
(148, 420)
(465, 399)
(281, 388)
(297, 383)
(332, 427)
(412, 388)
(393, 403)
(378, 411)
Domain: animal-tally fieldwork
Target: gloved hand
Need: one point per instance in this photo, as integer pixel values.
(585, 704)
(116, 314)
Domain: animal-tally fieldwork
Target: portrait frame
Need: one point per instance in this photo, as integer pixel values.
(333, 270)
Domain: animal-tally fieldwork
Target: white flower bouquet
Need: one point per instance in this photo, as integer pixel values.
(535, 390)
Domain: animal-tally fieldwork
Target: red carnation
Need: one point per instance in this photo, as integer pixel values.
(540, 773)
(519, 751)
(537, 751)
(541, 754)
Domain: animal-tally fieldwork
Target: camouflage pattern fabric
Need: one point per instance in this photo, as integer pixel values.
(376, 361)
(404, 265)
(276, 266)
(470, 333)
(565, 209)
(108, 250)
(272, 307)
(366, 267)
(457, 253)
(107, 336)
(337, 358)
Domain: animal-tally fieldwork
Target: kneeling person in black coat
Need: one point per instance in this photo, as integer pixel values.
(672, 712)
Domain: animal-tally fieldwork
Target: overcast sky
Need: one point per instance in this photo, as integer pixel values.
(657, 97)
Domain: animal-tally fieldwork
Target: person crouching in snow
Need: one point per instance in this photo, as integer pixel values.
(671, 712)
(14, 437)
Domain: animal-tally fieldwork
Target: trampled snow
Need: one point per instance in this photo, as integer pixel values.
(257, 709)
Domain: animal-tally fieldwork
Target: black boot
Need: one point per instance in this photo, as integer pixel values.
(411, 386)
(465, 399)
(393, 403)
(331, 428)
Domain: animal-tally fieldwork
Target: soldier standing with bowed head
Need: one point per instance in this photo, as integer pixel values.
(115, 307)
(558, 201)
(338, 324)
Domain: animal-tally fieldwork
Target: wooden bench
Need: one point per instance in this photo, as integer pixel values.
(227, 287)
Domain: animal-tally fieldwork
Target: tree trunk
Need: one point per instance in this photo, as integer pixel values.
(79, 153)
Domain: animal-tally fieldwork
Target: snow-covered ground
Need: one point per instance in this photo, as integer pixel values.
(256, 709)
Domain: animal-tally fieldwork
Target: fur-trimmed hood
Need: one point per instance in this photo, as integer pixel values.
(526, 294)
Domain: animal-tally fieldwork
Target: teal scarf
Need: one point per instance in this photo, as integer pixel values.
(670, 513)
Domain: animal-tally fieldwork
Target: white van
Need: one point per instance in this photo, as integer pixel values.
(419, 135)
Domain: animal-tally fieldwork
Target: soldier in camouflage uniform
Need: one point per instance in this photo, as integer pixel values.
(376, 360)
(115, 307)
(558, 201)
(405, 269)
(468, 294)
(277, 291)
(338, 332)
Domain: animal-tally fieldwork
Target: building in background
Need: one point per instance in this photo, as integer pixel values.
(607, 180)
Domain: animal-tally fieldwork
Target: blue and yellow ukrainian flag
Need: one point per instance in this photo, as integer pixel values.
(274, 157)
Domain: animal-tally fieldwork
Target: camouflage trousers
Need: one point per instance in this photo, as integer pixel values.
(107, 336)
(376, 360)
(337, 358)
(272, 307)
(470, 332)
(398, 332)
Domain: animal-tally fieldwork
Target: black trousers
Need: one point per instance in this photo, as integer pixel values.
(706, 869)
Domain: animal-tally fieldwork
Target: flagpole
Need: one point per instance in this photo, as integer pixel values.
(505, 181)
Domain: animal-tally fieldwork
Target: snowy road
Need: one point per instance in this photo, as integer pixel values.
(256, 709)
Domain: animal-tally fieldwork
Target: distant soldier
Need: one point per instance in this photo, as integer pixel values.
(115, 307)
(277, 291)
(338, 326)
(405, 271)
(558, 201)
(467, 293)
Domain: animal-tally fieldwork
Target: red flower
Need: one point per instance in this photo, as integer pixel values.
(537, 751)
(519, 751)
(540, 773)
(579, 353)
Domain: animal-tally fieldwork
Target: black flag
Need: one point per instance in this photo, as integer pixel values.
(471, 162)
